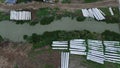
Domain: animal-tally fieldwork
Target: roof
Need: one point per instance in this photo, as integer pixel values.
(10, 1)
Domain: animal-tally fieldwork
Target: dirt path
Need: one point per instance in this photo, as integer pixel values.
(36, 5)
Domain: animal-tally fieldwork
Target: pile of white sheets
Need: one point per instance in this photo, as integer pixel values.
(78, 46)
(94, 13)
(64, 59)
(95, 51)
(60, 45)
(20, 15)
(112, 51)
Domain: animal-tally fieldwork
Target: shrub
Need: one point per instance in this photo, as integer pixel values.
(66, 1)
(80, 18)
(1, 39)
(4, 16)
(43, 12)
(39, 44)
(25, 37)
(47, 37)
(2, 1)
(21, 1)
(90, 1)
(32, 23)
(110, 35)
(58, 17)
(46, 20)
(112, 19)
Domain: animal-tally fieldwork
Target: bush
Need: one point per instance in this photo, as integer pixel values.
(90, 1)
(111, 19)
(25, 37)
(39, 0)
(21, 1)
(110, 35)
(47, 37)
(80, 18)
(4, 16)
(2, 1)
(1, 39)
(39, 44)
(46, 20)
(66, 1)
(43, 12)
(32, 23)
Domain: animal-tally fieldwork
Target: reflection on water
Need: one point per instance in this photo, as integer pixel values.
(15, 32)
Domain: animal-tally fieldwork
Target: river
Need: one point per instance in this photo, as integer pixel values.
(14, 32)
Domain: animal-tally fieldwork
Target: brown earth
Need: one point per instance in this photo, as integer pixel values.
(22, 56)
(71, 6)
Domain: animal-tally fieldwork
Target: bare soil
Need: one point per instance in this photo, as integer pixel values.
(76, 4)
(21, 55)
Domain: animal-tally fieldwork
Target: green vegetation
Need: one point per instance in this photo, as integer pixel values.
(2, 1)
(80, 18)
(109, 17)
(21, 1)
(1, 39)
(90, 1)
(15, 66)
(43, 12)
(47, 38)
(48, 66)
(4, 16)
(66, 1)
(47, 20)
(45, 16)
(112, 19)
(110, 35)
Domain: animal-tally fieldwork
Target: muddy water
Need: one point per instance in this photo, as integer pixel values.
(15, 32)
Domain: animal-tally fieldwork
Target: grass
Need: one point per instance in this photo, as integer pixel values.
(2, 1)
(90, 1)
(66, 1)
(15, 66)
(107, 12)
(48, 66)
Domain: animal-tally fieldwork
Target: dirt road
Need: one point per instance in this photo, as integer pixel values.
(72, 6)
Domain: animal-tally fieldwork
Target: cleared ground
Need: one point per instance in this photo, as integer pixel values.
(20, 55)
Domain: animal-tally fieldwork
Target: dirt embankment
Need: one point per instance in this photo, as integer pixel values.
(72, 6)
(20, 55)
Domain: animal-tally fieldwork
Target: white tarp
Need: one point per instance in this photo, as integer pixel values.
(60, 45)
(77, 46)
(20, 15)
(93, 13)
(95, 52)
(112, 51)
(111, 11)
(64, 59)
